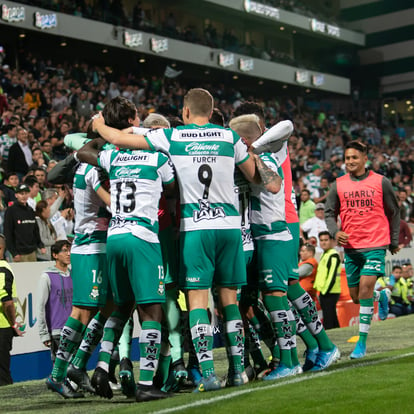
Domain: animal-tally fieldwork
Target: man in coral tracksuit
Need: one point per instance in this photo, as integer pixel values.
(370, 224)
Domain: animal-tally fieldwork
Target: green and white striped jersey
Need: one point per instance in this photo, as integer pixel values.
(136, 179)
(243, 205)
(204, 158)
(268, 210)
(91, 215)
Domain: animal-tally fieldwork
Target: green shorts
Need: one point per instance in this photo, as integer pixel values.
(370, 263)
(90, 279)
(208, 256)
(294, 247)
(274, 264)
(169, 254)
(135, 270)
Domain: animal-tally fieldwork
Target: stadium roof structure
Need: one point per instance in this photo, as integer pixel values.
(51, 29)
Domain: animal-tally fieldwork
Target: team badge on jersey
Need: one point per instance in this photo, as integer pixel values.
(206, 212)
(94, 293)
(161, 288)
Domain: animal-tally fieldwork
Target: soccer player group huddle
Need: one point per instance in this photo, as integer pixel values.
(229, 190)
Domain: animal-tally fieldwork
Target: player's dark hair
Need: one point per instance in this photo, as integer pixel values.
(325, 233)
(58, 246)
(249, 107)
(118, 111)
(357, 145)
(217, 117)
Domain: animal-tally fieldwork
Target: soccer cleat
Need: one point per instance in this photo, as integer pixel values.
(194, 375)
(100, 381)
(281, 371)
(250, 373)
(325, 359)
(177, 377)
(80, 378)
(310, 359)
(234, 379)
(262, 371)
(298, 369)
(150, 393)
(383, 308)
(212, 383)
(359, 352)
(62, 388)
(126, 377)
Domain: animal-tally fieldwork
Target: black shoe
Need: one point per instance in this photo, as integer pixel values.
(80, 378)
(150, 393)
(126, 377)
(100, 381)
(62, 388)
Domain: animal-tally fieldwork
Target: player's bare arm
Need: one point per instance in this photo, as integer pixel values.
(269, 178)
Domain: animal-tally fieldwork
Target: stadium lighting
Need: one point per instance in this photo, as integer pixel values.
(408, 102)
(104, 50)
(206, 72)
(261, 82)
(284, 86)
(282, 28)
(393, 111)
(63, 43)
(235, 77)
(142, 60)
(307, 90)
(22, 35)
(173, 65)
(386, 106)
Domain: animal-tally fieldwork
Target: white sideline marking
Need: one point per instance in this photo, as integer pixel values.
(277, 384)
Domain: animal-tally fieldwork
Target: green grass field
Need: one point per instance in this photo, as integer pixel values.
(380, 383)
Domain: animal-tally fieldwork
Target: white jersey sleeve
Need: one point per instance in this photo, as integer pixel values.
(240, 152)
(158, 140)
(166, 169)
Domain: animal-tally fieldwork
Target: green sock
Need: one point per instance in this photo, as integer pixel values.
(234, 336)
(377, 295)
(302, 330)
(92, 336)
(70, 338)
(164, 362)
(278, 308)
(366, 310)
(173, 317)
(149, 346)
(112, 332)
(305, 305)
(293, 350)
(125, 341)
(202, 340)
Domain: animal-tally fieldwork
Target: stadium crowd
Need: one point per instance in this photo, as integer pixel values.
(42, 103)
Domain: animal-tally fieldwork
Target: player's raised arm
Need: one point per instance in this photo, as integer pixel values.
(117, 137)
